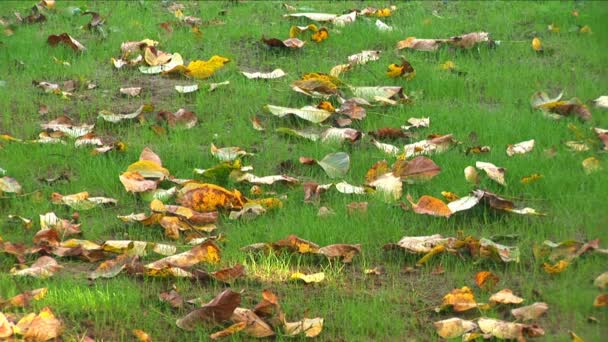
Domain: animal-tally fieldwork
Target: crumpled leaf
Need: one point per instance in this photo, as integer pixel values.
(334, 134)
(494, 172)
(43, 267)
(220, 309)
(308, 113)
(352, 109)
(276, 73)
(266, 180)
(486, 280)
(389, 186)
(491, 249)
(202, 69)
(317, 85)
(417, 123)
(601, 102)
(453, 327)
(520, 148)
(66, 39)
(558, 267)
(460, 300)
(308, 278)
(253, 324)
(141, 335)
(290, 43)
(508, 330)
(540, 100)
(404, 70)
(65, 125)
(433, 144)
(173, 298)
(465, 41)
(205, 197)
(131, 91)
(505, 296)
(601, 300)
(530, 312)
(114, 118)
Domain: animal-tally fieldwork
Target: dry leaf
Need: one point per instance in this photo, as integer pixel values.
(494, 172)
(453, 327)
(308, 278)
(559, 267)
(429, 205)
(205, 197)
(520, 148)
(277, 73)
(460, 299)
(66, 39)
(218, 310)
(601, 281)
(308, 327)
(530, 312)
(291, 43)
(133, 91)
(505, 296)
(591, 165)
(486, 280)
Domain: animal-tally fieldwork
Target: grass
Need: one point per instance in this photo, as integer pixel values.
(491, 100)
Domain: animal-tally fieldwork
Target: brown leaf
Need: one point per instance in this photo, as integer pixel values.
(389, 133)
(113, 267)
(66, 39)
(44, 267)
(295, 244)
(228, 275)
(344, 251)
(23, 299)
(231, 330)
(173, 298)
(601, 300)
(418, 169)
(205, 252)
(293, 43)
(43, 327)
(352, 109)
(218, 310)
(255, 326)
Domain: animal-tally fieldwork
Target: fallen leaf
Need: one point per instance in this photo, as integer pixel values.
(42, 327)
(133, 91)
(591, 165)
(308, 113)
(559, 267)
(219, 309)
(254, 325)
(111, 268)
(357, 207)
(601, 300)
(141, 335)
(453, 327)
(419, 169)
(404, 70)
(10, 185)
(205, 252)
(308, 327)
(494, 172)
(460, 300)
(43, 267)
(227, 153)
(114, 118)
(66, 39)
(23, 300)
(291, 43)
(486, 280)
(204, 197)
(601, 281)
(308, 278)
(520, 148)
(574, 337)
(313, 16)
(537, 45)
(277, 73)
(540, 100)
(335, 164)
(601, 102)
(507, 330)
(530, 312)
(173, 298)
(505, 296)
(343, 251)
(429, 205)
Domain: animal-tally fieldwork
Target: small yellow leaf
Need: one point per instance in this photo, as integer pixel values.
(394, 70)
(384, 12)
(320, 35)
(531, 178)
(448, 66)
(559, 267)
(204, 69)
(537, 45)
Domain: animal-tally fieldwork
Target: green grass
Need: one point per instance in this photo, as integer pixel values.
(492, 101)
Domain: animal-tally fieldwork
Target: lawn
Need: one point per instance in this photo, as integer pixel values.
(483, 101)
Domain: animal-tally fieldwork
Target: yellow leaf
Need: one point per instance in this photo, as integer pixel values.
(320, 35)
(148, 169)
(559, 267)
(448, 65)
(385, 12)
(537, 45)
(585, 29)
(141, 335)
(394, 70)
(531, 178)
(449, 196)
(591, 165)
(326, 105)
(309, 278)
(205, 69)
(460, 299)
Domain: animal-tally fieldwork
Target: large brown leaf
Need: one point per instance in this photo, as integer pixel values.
(218, 310)
(418, 169)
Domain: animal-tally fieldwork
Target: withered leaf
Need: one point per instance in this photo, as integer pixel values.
(217, 310)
